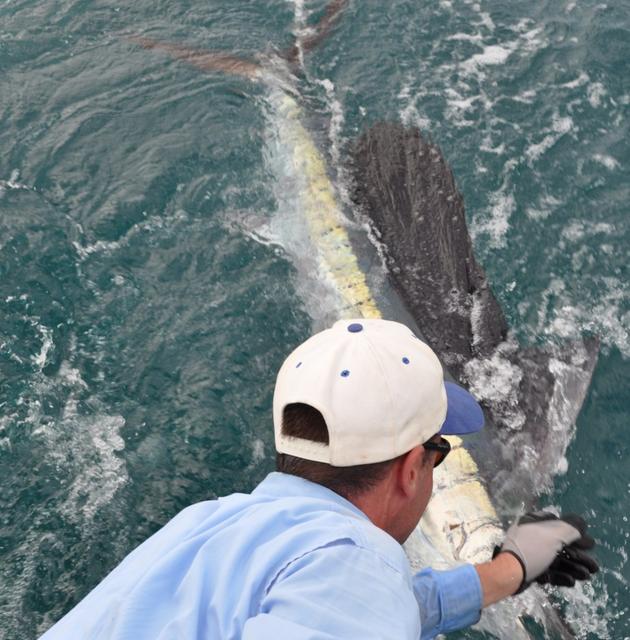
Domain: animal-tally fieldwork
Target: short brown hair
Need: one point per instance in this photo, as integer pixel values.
(303, 421)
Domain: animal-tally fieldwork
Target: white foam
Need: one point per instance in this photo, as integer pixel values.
(410, 114)
(476, 318)
(526, 97)
(71, 376)
(578, 229)
(100, 471)
(604, 319)
(595, 93)
(586, 609)
(560, 126)
(47, 344)
(466, 37)
(486, 146)
(497, 620)
(95, 470)
(336, 118)
(486, 20)
(335, 129)
(545, 207)
(580, 81)
(13, 184)
(258, 450)
(498, 53)
(148, 225)
(502, 205)
(607, 161)
(570, 316)
(532, 39)
(298, 11)
(495, 380)
(491, 55)
(456, 101)
(495, 225)
(100, 246)
(458, 105)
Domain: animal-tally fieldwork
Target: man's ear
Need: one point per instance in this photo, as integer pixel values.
(410, 469)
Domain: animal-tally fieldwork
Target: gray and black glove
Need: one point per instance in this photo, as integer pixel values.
(551, 550)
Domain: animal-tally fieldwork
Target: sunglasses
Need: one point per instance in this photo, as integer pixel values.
(442, 446)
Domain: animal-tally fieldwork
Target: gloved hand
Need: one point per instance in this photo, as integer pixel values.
(551, 550)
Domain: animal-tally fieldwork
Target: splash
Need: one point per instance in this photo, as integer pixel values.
(80, 449)
(587, 610)
(607, 315)
(410, 114)
(13, 184)
(607, 161)
(596, 92)
(559, 127)
(150, 224)
(40, 359)
(501, 206)
(496, 382)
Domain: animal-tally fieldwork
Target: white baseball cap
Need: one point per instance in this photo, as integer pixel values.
(379, 388)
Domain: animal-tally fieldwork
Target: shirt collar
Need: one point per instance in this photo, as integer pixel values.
(282, 485)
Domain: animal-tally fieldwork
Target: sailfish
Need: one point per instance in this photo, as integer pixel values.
(405, 190)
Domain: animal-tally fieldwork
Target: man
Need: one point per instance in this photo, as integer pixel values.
(315, 550)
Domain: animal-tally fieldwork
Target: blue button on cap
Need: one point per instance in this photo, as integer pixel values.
(355, 327)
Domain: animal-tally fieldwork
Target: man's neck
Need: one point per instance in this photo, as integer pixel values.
(378, 505)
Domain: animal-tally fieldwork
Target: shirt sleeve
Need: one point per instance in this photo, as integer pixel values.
(448, 600)
(338, 591)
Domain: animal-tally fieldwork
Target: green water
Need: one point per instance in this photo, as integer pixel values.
(143, 314)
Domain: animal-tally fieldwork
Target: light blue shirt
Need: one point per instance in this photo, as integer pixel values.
(290, 560)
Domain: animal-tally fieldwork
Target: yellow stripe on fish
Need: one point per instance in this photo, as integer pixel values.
(337, 260)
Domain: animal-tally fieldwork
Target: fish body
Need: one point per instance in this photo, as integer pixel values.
(460, 523)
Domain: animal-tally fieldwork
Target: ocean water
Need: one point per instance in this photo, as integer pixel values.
(149, 287)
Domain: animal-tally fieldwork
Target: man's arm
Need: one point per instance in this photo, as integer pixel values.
(499, 578)
(448, 600)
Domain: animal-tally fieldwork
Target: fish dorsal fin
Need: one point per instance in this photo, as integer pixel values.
(406, 188)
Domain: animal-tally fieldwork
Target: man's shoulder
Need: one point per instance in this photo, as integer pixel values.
(279, 522)
(315, 518)
(376, 541)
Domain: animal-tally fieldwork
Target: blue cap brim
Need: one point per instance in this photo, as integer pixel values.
(463, 415)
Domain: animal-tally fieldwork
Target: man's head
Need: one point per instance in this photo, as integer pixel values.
(353, 407)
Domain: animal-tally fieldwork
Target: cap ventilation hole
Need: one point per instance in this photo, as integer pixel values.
(345, 373)
(405, 360)
(298, 365)
(355, 327)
